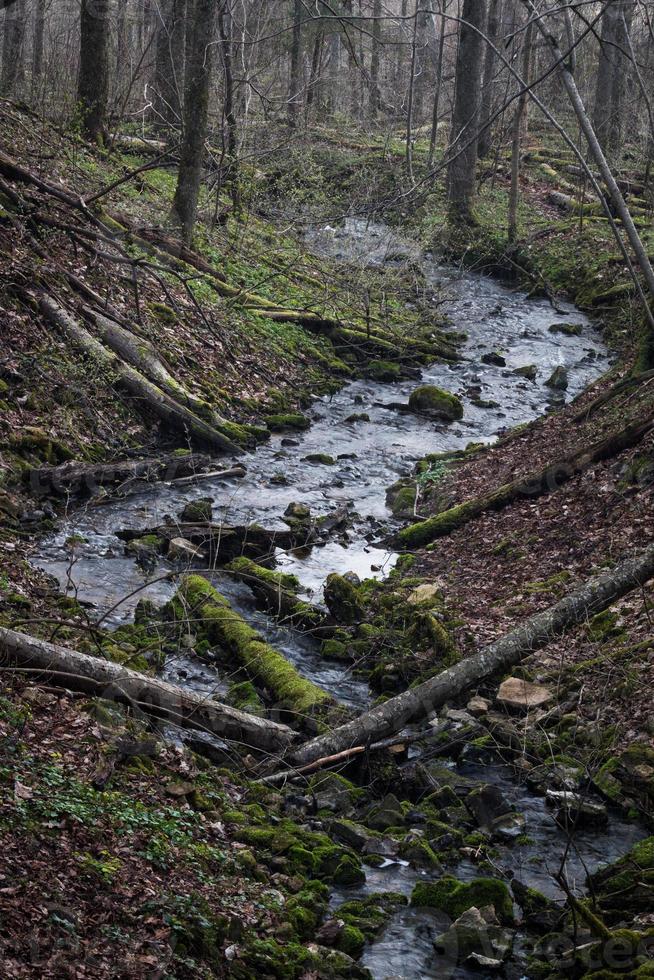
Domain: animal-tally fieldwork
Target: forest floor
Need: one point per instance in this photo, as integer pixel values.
(121, 848)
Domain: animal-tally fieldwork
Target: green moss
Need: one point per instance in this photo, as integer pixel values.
(253, 572)
(342, 599)
(280, 423)
(351, 941)
(454, 897)
(436, 401)
(212, 616)
(323, 458)
(384, 371)
(404, 501)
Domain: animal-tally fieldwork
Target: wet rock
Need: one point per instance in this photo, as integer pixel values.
(323, 459)
(385, 847)
(497, 360)
(476, 932)
(179, 549)
(342, 600)
(386, 814)
(289, 442)
(298, 512)
(417, 850)
(573, 809)
(357, 417)
(540, 913)
(435, 401)
(478, 706)
(508, 826)
(487, 804)
(484, 403)
(282, 423)
(146, 548)
(198, 511)
(330, 932)
(558, 380)
(520, 695)
(529, 371)
(569, 329)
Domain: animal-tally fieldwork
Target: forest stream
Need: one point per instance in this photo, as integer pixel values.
(370, 454)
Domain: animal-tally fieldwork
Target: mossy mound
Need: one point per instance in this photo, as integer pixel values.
(435, 401)
(198, 511)
(455, 897)
(625, 887)
(384, 371)
(342, 599)
(293, 421)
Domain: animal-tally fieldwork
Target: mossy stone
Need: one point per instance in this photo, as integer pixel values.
(436, 401)
(455, 897)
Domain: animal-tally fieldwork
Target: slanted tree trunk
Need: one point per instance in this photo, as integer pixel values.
(12, 47)
(566, 72)
(611, 73)
(169, 65)
(93, 81)
(490, 65)
(163, 406)
(462, 150)
(386, 719)
(196, 115)
(514, 192)
(295, 87)
(79, 672)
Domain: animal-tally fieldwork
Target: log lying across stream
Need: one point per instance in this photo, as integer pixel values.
(103, 678)
(386, 719)
(78, 477)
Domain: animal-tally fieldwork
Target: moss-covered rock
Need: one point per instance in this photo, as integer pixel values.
(435, 401)
(455, 897)
(198, 511)
(342, 599)
(290, 421)
(384, 371)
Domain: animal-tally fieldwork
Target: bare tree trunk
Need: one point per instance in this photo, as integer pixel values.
(295, 89)
(465, 121)
(104, 678)
(38, 42)
(613, 62)
(169, 64)
(439, 84)
(386, 719)
(375, 60)
(411, 95)
(196, 115)
(226, 30)
(12, 46)
(314, 74)
(514, 193)
(93, 82)
(490, 64)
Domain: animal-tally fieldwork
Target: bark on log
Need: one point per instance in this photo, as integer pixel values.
(179, 418)
(81, 478)
(103, 678)
(277, 593)
(534, 485)
(220, 542)
(386, 719)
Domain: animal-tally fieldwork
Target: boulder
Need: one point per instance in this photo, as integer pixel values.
(198, 511)
(476, 933)
(427, 594)
(529, 371)
(297, 512)
(520, 695)
(487, 804)
(569, 329)
(430, 400)
(342, 600)
(492, 357)
(574, 809)
(387, 813)
(558, 380)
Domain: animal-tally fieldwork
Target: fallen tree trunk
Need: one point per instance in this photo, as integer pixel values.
(277, 593)
(178, 417)
(143, 356)
(534, 485)
(386, 719)
(80, 478)
(631, 381)
(103, 678)
(220, 542)
(211, 616)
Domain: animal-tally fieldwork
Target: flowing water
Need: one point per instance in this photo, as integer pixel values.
(370, 456)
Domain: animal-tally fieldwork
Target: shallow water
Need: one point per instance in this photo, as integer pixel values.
(372, 456)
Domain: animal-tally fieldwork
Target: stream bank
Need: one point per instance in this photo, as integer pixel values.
(345, 461)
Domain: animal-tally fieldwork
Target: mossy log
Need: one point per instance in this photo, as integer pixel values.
(385, 719)
(211, 615)
(178, 417)
(79, 672)
(78, 477)
(619, 388)
(534, 485)
(277, 592)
